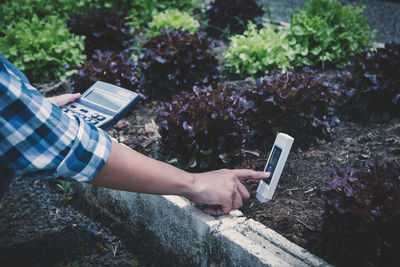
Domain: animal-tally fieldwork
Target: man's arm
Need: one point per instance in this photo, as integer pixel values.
(124, 168)
(129, 170)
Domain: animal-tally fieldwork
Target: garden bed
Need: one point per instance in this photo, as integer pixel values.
(234, 124)
(295, 211)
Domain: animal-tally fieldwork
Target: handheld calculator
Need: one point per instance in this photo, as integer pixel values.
(276, 162)
(103, 104)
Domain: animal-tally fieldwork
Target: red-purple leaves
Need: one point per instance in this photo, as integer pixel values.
(203, 129)
(375, 84)
(109, 67)
(176, 61)
(104, 30)
(232, 16)
(373, 195)
(362, 215)
(297, 103)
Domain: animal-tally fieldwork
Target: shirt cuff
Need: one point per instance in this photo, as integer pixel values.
(88, 154)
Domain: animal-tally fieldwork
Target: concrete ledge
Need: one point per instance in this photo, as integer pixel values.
(190, 237)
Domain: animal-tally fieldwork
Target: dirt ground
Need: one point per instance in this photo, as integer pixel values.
(295, 211)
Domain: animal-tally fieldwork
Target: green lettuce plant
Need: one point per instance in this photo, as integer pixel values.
(13, 10)
(257, 52)
(172, 18)
(326, 32)
(142, 10)
(41, 47)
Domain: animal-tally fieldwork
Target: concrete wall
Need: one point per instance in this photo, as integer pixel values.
(188, 237)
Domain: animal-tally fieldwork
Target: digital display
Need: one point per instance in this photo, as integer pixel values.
(273, 161)
(106, 100)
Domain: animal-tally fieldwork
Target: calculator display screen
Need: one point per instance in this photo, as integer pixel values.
(273, 161)
(106, 100)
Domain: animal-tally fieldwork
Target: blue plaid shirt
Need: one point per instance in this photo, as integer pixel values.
(38, 139)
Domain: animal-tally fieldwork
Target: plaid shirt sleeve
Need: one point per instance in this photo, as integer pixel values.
(38, 139)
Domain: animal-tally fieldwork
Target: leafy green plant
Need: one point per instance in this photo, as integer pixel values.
(374, 85)
(172, 18)
(203, 129)
(13, 10)
(41, 47)
(142, 10)
(106, 66)
(231, 17)
(362, 214)
(103, 29)
(66, 191)
(258, 51)
(326, 32)
(176, 61)
(298, 103)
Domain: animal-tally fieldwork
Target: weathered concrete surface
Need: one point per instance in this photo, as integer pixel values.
(189, 237)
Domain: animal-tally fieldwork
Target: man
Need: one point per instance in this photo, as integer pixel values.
(37, 139)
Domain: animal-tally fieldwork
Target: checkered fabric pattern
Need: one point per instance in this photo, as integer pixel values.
(38, 139)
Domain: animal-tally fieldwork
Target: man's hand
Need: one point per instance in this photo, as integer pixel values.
(62, 100)
(222, 189)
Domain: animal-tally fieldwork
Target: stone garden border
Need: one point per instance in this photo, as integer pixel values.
(188, 237)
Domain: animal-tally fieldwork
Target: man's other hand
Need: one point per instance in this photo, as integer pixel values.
(62, 100)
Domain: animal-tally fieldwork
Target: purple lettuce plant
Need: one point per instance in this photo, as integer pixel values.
(104, 29)
(298, 103)
(176, 61)
(374, 84)
(106, 66)
(362, 214)
(203, 129)
(232, 16)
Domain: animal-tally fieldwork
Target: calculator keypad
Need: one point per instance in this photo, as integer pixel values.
(88, 115)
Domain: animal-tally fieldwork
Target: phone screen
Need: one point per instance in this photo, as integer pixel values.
(273, 161)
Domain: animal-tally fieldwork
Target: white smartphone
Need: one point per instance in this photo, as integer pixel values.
(276, 162)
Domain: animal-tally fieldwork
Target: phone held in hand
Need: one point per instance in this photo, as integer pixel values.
(276, 162)
(103, 104)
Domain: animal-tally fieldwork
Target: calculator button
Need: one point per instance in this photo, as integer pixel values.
(87, 119)
(100, 118)
(65, 109)
(72, 106)
(95, 115)
(84, 110)
(82, 116)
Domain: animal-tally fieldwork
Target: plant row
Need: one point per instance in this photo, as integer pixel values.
(64, 32)
(322, 34)
(42, 36)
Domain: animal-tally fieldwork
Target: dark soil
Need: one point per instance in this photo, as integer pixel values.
(38, 227)
(296, 211)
